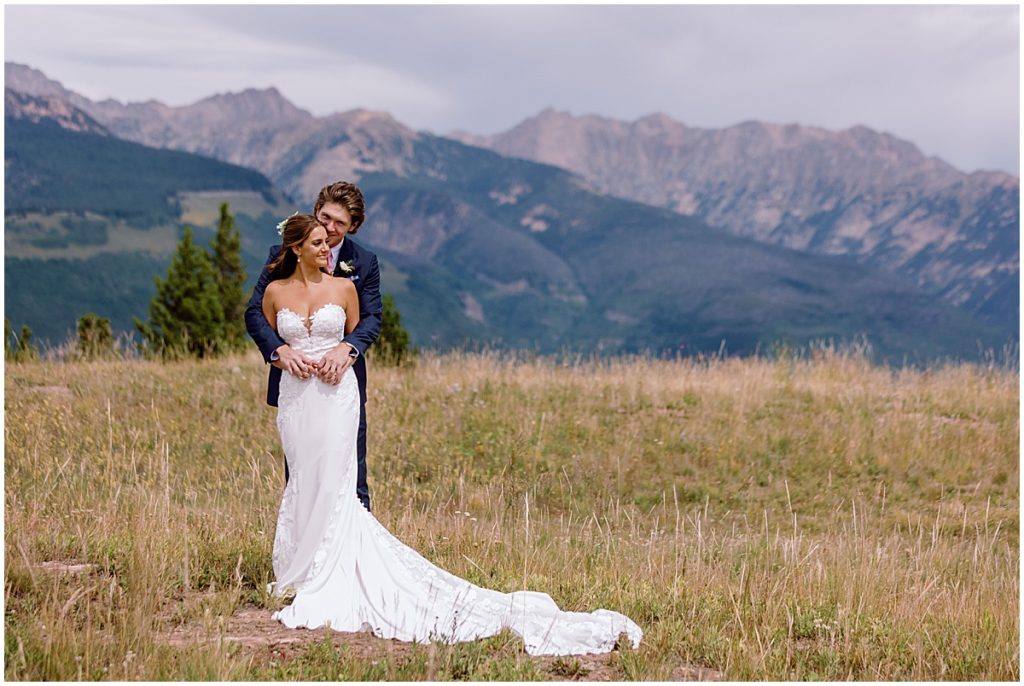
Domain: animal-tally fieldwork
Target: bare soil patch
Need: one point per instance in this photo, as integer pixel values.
(263, 638)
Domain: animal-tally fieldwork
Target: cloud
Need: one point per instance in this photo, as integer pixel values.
(944, 77)
(175, 55)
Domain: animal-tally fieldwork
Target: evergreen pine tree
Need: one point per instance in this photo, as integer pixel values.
(227, 262)
(185, 315)
(392, 346)
(95, 337)
(25, 350)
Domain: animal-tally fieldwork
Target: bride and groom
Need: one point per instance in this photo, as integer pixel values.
(315, 310)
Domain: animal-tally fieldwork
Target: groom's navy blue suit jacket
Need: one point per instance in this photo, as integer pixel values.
(366, 277)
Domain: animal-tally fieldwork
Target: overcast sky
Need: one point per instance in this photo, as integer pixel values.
(944, 77)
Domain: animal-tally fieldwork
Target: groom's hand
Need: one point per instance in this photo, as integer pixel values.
(294, 362)
(332, 365)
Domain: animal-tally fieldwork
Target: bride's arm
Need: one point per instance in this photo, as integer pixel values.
(269, 311)
(291, 361)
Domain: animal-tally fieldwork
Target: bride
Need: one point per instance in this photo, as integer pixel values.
(344, 568)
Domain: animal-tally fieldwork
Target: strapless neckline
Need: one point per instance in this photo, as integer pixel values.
(308, 321)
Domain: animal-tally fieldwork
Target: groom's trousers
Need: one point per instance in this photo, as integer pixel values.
(362, 490)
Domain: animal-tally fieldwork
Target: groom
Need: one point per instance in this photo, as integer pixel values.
(340, 209)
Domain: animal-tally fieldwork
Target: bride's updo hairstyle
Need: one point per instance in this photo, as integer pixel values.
(294, 232)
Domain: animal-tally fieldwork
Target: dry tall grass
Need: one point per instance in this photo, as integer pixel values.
(768, 519)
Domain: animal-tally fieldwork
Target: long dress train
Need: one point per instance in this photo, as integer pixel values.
(347, 571)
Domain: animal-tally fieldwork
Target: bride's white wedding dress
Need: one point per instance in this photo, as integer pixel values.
(349, 572)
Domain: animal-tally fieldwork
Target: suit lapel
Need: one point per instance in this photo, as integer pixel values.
(346, 254)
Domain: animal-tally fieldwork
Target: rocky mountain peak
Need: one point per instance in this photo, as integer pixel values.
(548, 119)
(267, 104)
(24, 79)
(856, 191)
(36, 108)
(659, 120)
(362, 117)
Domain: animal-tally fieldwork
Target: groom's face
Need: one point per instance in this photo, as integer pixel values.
(336, 219)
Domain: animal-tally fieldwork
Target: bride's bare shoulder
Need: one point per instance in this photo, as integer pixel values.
(277, 288)
(273, 289)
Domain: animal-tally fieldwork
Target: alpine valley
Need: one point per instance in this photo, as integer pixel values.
(856, 192)
(483, 247)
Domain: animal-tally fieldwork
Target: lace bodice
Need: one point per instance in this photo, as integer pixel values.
(324, 331)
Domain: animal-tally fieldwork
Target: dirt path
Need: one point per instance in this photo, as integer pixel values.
(265, 639)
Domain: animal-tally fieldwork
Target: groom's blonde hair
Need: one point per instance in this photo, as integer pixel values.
(348, 196)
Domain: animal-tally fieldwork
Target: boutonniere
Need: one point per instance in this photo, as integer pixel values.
(346, 267)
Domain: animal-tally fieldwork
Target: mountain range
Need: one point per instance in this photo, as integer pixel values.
(855, 192)
(105, 215)
(483, 248)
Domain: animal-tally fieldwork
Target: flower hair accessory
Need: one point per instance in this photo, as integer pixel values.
(280, 224)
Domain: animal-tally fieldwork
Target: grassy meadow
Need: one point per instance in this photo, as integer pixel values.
(806, 517)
